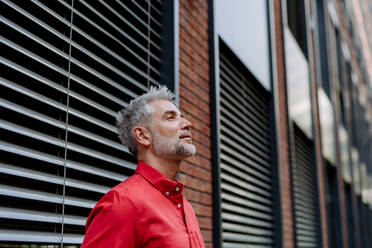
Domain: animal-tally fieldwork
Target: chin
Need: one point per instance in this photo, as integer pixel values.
(190, 150)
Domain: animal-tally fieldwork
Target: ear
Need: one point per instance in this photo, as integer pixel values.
(142, 135)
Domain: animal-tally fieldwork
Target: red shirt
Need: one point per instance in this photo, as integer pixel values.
(146, 210)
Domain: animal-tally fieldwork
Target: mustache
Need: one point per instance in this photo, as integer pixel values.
(183, 133)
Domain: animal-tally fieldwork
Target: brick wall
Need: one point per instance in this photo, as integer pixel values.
(319, 166)
(286, 206)
(194, 103)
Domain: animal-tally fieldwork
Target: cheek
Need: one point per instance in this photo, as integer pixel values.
(168, 130)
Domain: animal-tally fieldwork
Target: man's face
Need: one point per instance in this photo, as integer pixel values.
(171, 134)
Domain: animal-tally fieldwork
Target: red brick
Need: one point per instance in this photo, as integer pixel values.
(208, 245)
(195, 74)
(201, 209)
(205, 223)
(207, 235)
(192, 99)
(195, 183)
(197, 172)
(195, 88)
(200, 161)
(195, 105)
(197, 196)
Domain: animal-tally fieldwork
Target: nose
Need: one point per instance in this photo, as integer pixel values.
(186, 124)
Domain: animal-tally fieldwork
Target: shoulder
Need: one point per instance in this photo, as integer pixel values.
(113, 216)
(119, 197)
(131, 189)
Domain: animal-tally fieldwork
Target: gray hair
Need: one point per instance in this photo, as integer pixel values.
(138, 113)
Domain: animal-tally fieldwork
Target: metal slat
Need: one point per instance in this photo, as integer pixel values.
(49, 178)
(62, 89)
(242, 140)
(240, 127)
(244, 159)
(61, 143)
(244, 245)
(34, 154)
(31, 215)
(234, 72)
(306, 238)
(56, 123)
(245, 229)
(145, 11)
(246, 105)
(247, 120)
(229, 161)
(126, 62)
(245, 176)
(304, 191)
(249, 102)
(154, 8)
(303, 171)
(39, 237)
(48, 64)
(302, 202)
(153, 32)
(246, 212)
(255, 223)
(246, 238)
(245, 162)
(261, 161)
(245, 194)
(247, 186)
(37, 39)
(28, 194)
(246, 203)
(50, 29)
(59, 106)
(306, 230)
(99, 172)
(36, 62)
(305, 218)
(119, 29)
(29, 236)
(245, 134)
(112, 53)
(242, 88)
(137, 18)
(53, 103)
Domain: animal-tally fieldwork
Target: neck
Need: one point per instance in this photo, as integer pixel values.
(168, 168)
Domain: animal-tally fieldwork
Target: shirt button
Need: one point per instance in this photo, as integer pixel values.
(179, 205)
(177, 189)
(167, 193)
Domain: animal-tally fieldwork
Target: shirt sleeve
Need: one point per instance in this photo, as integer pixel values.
(112, 223)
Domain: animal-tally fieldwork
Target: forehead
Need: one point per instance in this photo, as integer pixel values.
(162, 106)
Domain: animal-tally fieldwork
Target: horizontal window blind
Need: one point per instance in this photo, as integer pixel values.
(246, 173)
(67, 67)
(304, 191)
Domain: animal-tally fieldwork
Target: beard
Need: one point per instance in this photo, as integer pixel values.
(171, 148)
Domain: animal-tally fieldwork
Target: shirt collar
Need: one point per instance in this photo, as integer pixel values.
(172, 189)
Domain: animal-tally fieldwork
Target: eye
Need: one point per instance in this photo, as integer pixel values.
(171, 117)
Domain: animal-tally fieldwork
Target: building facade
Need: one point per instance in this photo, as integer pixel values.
(279, 93)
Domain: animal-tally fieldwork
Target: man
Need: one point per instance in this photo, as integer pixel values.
(148, 209)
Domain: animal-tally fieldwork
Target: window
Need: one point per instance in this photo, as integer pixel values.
(245, 155)
(304, 190)
(296, 17)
